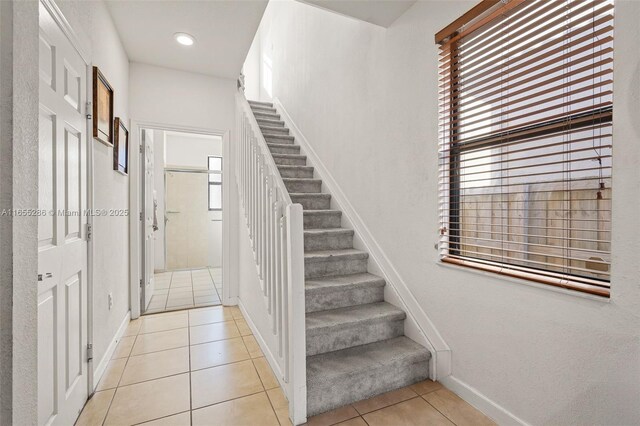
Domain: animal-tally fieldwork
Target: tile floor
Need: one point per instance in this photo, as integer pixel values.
(186, 289)
(204, 367)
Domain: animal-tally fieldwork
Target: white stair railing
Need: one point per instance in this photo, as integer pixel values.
(275, 227)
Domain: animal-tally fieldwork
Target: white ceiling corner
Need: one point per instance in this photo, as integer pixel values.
(378, 12)
(223, 30)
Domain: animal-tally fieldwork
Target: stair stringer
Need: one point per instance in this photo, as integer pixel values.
(418, 326)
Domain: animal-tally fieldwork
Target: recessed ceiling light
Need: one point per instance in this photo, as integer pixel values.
(184, 39)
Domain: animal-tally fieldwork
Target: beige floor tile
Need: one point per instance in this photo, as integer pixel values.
(243, 327)
(155, 305)
(181, 284)
(280, 405)
(414, 412)
(133, 327)
(456, 409)
(269, 380)
(155, 365)
(248, 411)
(332, 417)
(204, 299)
(180, 293)
(162, 322)
(209, 316)
(357, 421)
(223, 383)
(384, 400)
(96, 408)
(182, 419)
(235, 311)
(161, 341)
(426, 386)
(149, 400)
(123, 349)
(111, 376)
(206, 292)
(212, 332)
(221, 352)
(252, 346)
(179, 301)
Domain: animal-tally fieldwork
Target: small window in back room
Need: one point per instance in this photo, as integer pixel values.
(525, 151)
(215, 182)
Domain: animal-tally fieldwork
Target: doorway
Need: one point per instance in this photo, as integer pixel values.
(181, 197)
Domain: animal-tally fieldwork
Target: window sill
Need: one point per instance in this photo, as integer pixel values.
(513, 279)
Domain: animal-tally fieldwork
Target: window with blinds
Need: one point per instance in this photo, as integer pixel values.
(525, 144)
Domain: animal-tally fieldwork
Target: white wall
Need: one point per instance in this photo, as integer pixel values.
(177, 98)
(18, 190)
(183, 150)
(368, 96)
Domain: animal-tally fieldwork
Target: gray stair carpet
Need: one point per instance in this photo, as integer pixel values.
(356, 346)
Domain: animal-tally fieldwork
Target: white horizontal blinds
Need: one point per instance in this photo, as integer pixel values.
(526, 140)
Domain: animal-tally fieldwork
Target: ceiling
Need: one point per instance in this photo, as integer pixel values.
(223, 29)
(379, 12)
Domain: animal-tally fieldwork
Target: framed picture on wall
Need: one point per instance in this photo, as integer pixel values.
(102, 108)
(121, 147)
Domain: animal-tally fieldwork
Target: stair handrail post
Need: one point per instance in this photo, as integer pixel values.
(296, 316)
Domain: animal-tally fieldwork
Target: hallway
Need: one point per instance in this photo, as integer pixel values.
(204, 367)
(176, 290)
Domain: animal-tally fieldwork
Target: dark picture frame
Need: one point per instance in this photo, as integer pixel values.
(102, 108)
(121, 147)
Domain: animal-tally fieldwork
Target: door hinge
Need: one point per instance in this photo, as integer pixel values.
(140, 282)
(88, 110)
(141, 150)
(90, 352)
(141, 216)
(89, 231)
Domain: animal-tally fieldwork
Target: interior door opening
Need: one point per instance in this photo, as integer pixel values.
(181, 181)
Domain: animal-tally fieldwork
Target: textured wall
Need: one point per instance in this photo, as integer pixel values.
(366, 96)
(18, 173)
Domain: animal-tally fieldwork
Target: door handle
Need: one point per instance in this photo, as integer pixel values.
(172, 211)
(47, 275)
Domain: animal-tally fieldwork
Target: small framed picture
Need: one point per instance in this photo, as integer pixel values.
(102, 108)
(121, 148)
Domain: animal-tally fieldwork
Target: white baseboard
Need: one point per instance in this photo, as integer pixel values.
(499, 414)
(418, 325)
(265, 349)
(102, 365)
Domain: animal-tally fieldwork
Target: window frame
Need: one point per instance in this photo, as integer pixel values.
(451, 225)
(209, 173)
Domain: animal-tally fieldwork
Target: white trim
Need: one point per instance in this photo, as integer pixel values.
(229, 287)
(102, 365)
(67, 29)
(516, 280)
(499, 414)
(265, 348)
(418, 325)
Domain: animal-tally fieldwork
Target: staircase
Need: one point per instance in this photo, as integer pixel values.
(355, 345)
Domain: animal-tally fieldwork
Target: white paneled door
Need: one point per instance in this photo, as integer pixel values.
(62, 239)
(149, 211)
